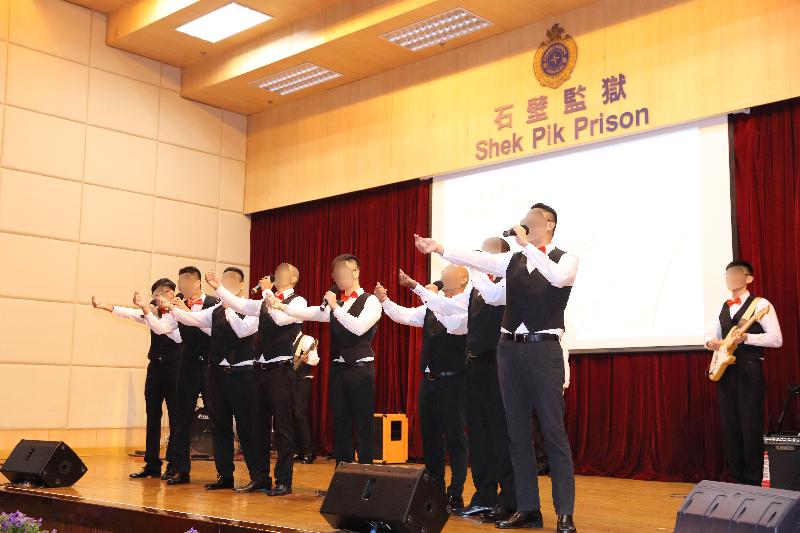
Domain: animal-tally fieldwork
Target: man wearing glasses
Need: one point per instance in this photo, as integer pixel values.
(741, 388)
(530, 361)
(353, 315)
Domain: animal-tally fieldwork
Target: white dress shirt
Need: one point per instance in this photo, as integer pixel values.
(243, 327)
(771, 338)
(167, 323)
(313, 356)
(137, 315)
(357, 325)
(560, 274)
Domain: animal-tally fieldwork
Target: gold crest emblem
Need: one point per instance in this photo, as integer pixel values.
(555, 59)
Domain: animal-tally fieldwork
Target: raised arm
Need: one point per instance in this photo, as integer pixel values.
(409, 316)
(439, 303)
(358, 325)
(243, 327)
(241, 305)
(492, 293)
(561, 274)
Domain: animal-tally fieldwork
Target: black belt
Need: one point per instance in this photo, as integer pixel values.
(430, 376)
(230, 369)
(353, 364)
(272, 365)
(529, 337)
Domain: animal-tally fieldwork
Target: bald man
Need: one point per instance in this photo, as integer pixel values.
(275, 376)
(441, 392)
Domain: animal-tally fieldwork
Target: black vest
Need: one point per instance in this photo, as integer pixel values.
(195, 342)
(225, 344)
(745, 352)
(483, 323)
(274, 340)
(441, 351)
(531, 299)
(161, 346)
(346, 344)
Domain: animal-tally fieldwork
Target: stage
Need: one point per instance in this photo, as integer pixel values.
(106, 496)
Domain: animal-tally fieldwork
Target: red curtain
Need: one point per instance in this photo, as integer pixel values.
(642, 415)
(377, 226)
(655, 415)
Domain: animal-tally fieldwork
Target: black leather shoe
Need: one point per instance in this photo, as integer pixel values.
(280, 490)
(498, 514)
(253, 486)
(297, 457)
(220, 483)
(145, 473)
(472, 510)
(169, 473)
(565, 524)
(307, 459)
(180, 478)
(521, 520)
(454, 504)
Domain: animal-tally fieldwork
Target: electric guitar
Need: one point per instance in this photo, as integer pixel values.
(723, 357)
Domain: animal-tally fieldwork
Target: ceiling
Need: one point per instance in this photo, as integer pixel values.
(342, 35)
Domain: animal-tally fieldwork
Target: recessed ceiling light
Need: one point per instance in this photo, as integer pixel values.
(296, 78)
(437, 29)
(221, 23)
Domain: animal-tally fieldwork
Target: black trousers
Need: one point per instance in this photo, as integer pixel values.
(191, 384)
(304, 444)
(488, 434)
(532, 377)
(159, 387)
(741, 404)
(351, 394)
(441, 413)
(275, 393)
(232, 396)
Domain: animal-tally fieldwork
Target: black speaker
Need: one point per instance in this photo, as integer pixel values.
(45, 463)
(783, 452)
(714, 507)
(398, 498)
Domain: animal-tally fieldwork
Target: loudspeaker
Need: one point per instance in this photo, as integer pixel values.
(398, 498)
(44, 463)
(391, 438)
(783, 452)
(714, 507)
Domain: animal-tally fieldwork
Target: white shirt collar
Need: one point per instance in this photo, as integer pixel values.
(745, 295)
(288, 292)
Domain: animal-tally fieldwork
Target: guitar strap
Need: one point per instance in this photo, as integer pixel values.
(751, 310)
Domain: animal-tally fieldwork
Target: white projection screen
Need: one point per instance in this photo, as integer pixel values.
(649, 217)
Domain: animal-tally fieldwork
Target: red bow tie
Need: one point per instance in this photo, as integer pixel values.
(280, 296)
(344, 297)
(191, 303)
(543, 249)
(736, 301)
(491, 277)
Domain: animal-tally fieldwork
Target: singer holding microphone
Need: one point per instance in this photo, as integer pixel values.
(530, 362)
(353, 315)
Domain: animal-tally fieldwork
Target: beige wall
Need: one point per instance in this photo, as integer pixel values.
(109, 180)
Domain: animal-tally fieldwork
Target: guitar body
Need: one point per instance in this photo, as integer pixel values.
(723, 357)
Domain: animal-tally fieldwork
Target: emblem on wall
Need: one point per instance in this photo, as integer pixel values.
(555, 59)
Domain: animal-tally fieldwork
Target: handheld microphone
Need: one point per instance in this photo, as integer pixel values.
(511, 232)
(258, 285)
(439, 284)
(324, 303)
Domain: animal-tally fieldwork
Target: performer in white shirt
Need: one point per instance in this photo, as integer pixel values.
(529, 357)
(441, 391)
(353, 315)
(742, 387)
(160, 381)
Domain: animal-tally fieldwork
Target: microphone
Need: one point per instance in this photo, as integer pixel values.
(510, 232)
(258, 285)
(439, 284)
(324, 303)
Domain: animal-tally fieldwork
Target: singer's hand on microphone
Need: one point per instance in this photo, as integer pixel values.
(521, 235)
(178, 302)
(211, 279)
(164, 304)
(330, 297)
(380, 292)
(266, 283)
(426, 245)
(407, 281)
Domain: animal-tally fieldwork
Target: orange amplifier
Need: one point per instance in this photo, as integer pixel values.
(391, 438)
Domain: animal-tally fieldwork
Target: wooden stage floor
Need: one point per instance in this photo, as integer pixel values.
(603, 504)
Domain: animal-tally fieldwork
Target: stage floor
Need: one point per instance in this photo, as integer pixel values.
(603, 504)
